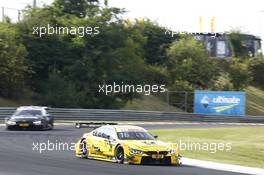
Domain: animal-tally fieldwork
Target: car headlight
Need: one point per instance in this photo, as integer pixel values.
(38, 122)
(134, 151)
(9, 122)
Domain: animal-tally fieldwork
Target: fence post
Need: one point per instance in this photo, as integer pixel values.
(3, 14)
(19, 15)
(186, 101)
(168, 99)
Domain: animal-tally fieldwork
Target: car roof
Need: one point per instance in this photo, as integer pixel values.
(32, 108)
(126, 128)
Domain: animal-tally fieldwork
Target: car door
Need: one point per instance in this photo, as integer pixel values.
(109, 141)
(103, 141)
(100, 142)
(92, 142)
(97, 142)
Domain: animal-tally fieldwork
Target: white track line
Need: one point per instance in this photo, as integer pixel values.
(222, 166)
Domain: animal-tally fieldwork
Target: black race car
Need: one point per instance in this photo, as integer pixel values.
(30, 117)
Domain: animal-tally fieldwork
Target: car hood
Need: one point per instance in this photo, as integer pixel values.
(148, 145)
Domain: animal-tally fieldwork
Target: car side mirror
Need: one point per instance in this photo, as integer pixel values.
(111, 139)
(155, 137)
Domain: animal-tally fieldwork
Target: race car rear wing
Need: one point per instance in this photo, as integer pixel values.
(92, 124)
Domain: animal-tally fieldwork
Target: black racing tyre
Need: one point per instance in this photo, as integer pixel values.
(50, 126)
(8, 128)
(119, 154)
(40, 128)
(84, 149)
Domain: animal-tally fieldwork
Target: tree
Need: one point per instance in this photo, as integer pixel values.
(238, 45)
(156, 42)
(256, 67)
(189, 62)
(81, 64)
(13, 66)
(239, 74)
(76, 7)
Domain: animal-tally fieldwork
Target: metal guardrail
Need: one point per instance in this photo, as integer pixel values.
(133, 115)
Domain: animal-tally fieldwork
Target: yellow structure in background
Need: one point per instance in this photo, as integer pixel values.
(212, 24)
(201, 24)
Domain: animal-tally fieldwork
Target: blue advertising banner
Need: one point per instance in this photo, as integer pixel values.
(219, 102)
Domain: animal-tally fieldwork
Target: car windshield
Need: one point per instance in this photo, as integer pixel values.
(28, 112)
(134, 136)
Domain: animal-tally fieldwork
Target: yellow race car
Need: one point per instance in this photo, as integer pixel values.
(126, 144)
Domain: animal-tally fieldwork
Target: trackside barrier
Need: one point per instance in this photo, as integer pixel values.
(133, 115)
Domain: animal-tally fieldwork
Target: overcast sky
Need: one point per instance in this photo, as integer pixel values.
(183, 15)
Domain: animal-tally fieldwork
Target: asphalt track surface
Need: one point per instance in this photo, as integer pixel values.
(19, 157)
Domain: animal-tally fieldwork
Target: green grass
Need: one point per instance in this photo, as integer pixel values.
(255, 101)
(15, 103)
(247, 144)
(150, 103)
(7, 103)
